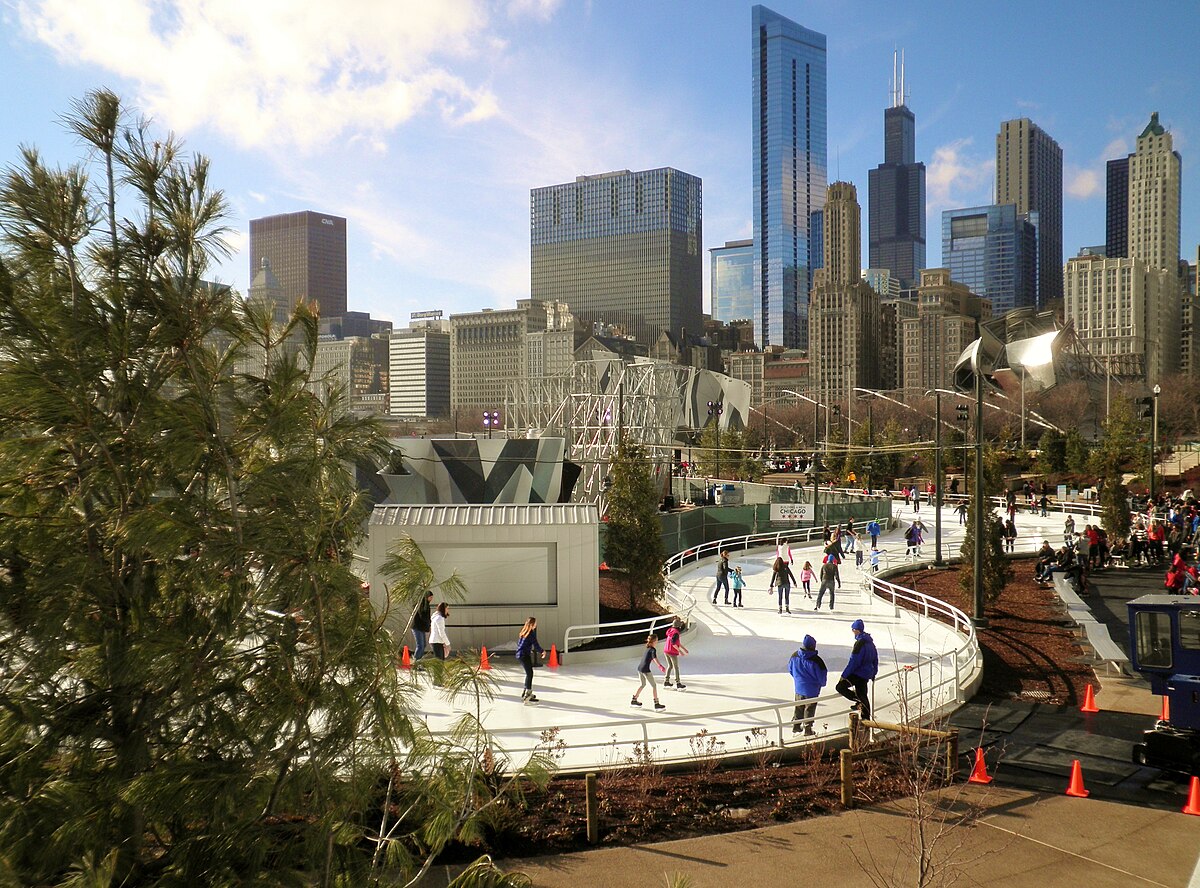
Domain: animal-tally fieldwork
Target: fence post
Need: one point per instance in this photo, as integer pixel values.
(952, 757)
(846, 757)
(593, 813)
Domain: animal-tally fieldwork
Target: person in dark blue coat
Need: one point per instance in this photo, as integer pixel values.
(863, 667)
(527, 646)
(810, 675)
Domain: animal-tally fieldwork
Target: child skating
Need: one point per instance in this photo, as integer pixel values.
(738, 585)
(650, 655)
(806, 578)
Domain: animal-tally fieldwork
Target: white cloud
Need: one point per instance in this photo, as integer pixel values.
(540, 9)
(279, 73)
(956, 175)
(1081, 183)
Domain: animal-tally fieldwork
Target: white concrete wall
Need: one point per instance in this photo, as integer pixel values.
(511, 572)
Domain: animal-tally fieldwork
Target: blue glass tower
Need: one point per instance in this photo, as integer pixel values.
(733, 281)
(993, 250)
(790, 172)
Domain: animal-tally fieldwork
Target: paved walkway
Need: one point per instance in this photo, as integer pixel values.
(737, 664)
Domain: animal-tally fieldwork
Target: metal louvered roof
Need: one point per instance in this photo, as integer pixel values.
(475, 515)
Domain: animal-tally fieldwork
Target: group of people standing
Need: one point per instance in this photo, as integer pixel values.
(810, 675)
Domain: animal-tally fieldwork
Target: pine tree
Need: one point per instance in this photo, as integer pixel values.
(634, 542)
(196, 690)
(996, 569)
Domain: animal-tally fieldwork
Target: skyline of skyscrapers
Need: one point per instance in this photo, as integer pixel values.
(790, 169)
(896, 193)
(622, 249)
(1029, 174)
(307, 253)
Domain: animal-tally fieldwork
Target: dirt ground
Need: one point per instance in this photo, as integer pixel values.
(1028, 653)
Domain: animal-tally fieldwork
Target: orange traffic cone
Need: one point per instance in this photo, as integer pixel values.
(1166, 710)
(405, 658)
(1193, 805)
(1075, 788)
(1089, 702)
(483, 660)
(979, 773)
(604, 565)
(553, 656)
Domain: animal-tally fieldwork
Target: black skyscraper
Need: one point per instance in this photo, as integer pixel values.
(1116, 212)
(896, 196)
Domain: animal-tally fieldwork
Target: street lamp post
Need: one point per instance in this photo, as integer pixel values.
(978, 619)
(716, 408)
(1154, 440)
(491, 420)
(964, 414)
(937, 478)
(814, 473)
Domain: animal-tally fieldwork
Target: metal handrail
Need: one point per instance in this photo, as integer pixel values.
(943, 686)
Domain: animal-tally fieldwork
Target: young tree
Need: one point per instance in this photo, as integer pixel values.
(634, 543)
(1052, 453)
(1076, 453)
(996, 568)
(196, 689)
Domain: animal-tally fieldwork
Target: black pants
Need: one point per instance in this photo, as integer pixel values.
(527, 665)
(439, 650)
(854, 689)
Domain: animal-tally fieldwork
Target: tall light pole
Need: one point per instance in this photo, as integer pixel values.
(937, 477)
(491, 420)
(716, 408)
(1154, 440)
(978, 618)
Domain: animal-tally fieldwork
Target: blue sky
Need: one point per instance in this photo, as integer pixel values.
(426, 122)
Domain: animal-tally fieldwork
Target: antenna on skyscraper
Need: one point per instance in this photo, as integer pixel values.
(903, 92)
(895, 54)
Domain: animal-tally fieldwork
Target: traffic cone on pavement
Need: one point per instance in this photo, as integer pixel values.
(979, 773)
(1193, 805)
(405, 659)
(553, 656)
(1075, 788)
(1166, 710)
(1089, 701)
(483, 659)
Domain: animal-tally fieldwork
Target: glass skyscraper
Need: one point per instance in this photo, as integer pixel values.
(790, 172)
(993, 250)
(896, 195)
(733, 281)
(622, 249)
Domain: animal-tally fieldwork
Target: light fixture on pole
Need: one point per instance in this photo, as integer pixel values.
(813, 471)
(715, 409)
(1154, 440)
(491, 420)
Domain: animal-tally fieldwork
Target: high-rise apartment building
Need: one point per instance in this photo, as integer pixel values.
(1116, 208)
(732, 281)
(419, 365)
(883, 282)
(356, 369)
(896, 193)
(993, 250)
(1155, 172)
(490, 348)
(843, 309)
(1127, 313)
(790, 171)
(947, 321)
(1189, 347)
(622, 249)
(1029, 174)
(551, 352)
(307, 253)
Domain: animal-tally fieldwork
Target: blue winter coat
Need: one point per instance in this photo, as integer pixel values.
(528, 644)
(864, 659)
(873, 528)
(808, 672)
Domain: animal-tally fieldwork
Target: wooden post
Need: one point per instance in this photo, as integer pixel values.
(853, 731)
(593, 814)
(846, 757)
(952, 757)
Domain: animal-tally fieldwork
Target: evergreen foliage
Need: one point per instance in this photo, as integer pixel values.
(195, 688)
(634, 542)
(1076, 452)
(1052, 453)
(734, 459)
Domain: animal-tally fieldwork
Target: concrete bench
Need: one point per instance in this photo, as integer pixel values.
(1105, 649)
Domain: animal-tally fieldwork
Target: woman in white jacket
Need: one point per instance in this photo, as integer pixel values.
(438, 639)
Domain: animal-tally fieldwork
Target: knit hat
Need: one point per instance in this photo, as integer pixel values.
(810, 643)
(857, 626)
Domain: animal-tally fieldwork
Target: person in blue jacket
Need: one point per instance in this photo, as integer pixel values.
(863, 667)
(873, 529)
(810, 675)
(527, 646)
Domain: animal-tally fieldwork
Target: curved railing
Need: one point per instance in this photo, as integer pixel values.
(681, 602)
(926, 688)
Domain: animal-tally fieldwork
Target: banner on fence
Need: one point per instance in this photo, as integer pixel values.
(789, 511)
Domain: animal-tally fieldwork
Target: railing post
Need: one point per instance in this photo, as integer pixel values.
(846, 757)
(593, 810)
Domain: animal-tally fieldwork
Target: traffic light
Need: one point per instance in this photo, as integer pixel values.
(1146, 408)
(963, 412)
